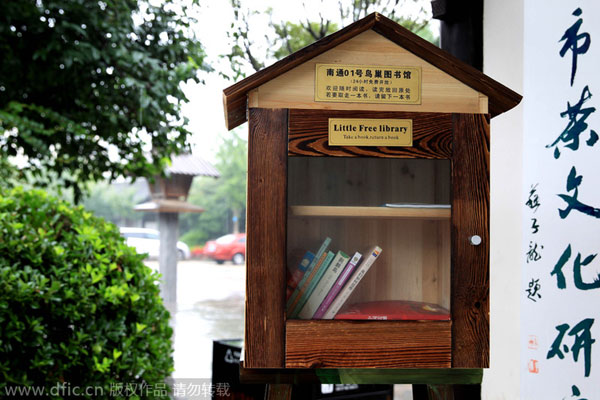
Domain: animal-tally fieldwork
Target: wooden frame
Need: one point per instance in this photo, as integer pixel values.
(430, 251)
(368, 344)
(271, 342)
(470, 264)
(265, 239)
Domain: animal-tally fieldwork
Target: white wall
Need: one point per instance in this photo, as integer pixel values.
(503, 61)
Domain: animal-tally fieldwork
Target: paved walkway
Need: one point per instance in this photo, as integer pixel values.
(210, 306)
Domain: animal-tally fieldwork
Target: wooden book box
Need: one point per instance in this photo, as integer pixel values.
(368, 116)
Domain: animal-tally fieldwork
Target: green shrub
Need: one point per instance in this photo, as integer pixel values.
(76, 304)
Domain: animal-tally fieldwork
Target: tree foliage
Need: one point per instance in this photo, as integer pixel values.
(78, 306)
(89, 87)
(285, 37)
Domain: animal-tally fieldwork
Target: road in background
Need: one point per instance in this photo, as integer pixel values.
(210, 306)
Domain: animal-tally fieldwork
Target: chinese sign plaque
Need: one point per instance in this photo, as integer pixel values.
(367, 84)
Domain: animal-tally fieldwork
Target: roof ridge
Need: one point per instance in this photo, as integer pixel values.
(501, 98)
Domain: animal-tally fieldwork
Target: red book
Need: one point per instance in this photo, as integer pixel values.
(294, 277)
(394, 310)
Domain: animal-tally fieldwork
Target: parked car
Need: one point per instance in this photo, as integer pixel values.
(231, 247)
(148, 241)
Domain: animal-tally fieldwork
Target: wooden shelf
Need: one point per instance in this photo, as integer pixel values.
(370, 212)
(351, 344)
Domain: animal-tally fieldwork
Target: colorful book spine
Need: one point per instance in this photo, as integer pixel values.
(298, 273)
(302, 289)
(310, 286)
(338, 285)
(315, 260)
(360, 272)
(324, 285)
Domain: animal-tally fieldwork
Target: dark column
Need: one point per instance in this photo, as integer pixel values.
(461, 29)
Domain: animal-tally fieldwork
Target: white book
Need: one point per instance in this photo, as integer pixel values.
(354, 280)
(416, 205)
(324, 285)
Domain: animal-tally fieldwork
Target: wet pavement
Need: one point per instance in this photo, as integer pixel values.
(210, 306)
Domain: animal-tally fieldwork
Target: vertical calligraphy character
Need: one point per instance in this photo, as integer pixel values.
(533, 291)
(583, 341)
(577, 124)
(561, 282)
(533, 254)
(535, 227)
(573, 203)
(572, 39)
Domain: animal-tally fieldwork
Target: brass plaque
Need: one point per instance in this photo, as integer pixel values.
(370, 132)
(367, 84)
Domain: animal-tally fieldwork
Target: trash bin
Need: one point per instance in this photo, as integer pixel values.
(226, 373)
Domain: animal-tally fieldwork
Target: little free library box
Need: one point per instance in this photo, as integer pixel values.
(368, 203)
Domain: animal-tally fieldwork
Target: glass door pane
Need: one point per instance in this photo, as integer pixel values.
(394, 212)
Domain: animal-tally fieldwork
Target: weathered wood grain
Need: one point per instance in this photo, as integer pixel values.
(308, 134)
(367, 344)
(266, 239)
(470, 264)
(279, 391)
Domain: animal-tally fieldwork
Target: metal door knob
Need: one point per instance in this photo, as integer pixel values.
(475, 240)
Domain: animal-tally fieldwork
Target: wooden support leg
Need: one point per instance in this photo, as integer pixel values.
(441, 392)
(279, 392)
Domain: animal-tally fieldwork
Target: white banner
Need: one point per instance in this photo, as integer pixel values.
(560, 327)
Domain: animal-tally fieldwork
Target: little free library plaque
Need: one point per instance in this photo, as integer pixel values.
(367, 84)
(370, 132)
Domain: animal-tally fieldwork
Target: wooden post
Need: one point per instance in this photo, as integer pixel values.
(169, 232)
(470, 261)
(266, 239)
(279, 392)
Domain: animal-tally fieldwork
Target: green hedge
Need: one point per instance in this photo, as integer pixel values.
(76, 304)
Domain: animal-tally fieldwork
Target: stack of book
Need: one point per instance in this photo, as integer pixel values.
(322, 282)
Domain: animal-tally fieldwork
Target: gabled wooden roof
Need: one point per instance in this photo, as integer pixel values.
(500, 97)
